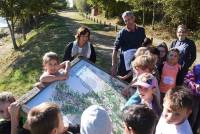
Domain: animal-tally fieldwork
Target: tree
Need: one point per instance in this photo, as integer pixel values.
(10, 10)
(19, 12)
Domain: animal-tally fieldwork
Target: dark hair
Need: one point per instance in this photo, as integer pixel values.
(43, 118)
(146, 42)
(179, 97)
(153, 50)
(7, 97)
(164, 45)
(82, 31)
(174, 50)
(140, 118)
(50, 56)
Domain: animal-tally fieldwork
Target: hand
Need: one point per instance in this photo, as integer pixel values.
(13, 109)
(198, 87)
(62, 77)
(113, 70)
(121, 77)
(66, 74)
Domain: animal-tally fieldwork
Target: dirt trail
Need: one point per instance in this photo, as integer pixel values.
(102, 40)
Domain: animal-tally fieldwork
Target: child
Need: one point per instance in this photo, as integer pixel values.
(52, 70)
(9, 112)
(45, 119)
(140, 51)
(163, 49)
(142, 64)
(139, 119)
(177, 107)
(169, 72)
(192, 81)
(95, 120)
(147, 42)
(153, 51)
(146, 87)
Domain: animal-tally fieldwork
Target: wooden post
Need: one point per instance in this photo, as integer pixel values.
(110, 25)
(116, 28)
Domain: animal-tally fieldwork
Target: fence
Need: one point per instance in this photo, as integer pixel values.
(107, 25)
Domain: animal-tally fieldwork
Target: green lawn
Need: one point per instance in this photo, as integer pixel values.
(52, 35)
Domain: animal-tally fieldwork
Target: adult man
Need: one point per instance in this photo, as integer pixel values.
(129, 39)
(187, 49)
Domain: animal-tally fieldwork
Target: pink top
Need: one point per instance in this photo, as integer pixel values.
(168, 77)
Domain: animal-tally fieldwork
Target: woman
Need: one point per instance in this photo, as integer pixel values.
(187, 49)
(81, 46)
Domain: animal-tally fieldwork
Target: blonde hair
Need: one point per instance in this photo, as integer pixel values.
(144, 62)
(43, 118)
(50, 56)
(140, 51)
(7, 97)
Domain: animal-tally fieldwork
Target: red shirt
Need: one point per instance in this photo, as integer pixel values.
(168, 77)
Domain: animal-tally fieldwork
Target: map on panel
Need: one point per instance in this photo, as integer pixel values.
(86, 85)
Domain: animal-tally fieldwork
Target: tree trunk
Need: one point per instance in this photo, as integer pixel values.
(35, 20)
(143, 16)
(23, 29)
(12, 33)
(153, 17)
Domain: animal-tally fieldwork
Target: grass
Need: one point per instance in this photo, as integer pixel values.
(52, 35)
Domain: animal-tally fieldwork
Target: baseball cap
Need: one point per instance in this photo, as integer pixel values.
(146, 80)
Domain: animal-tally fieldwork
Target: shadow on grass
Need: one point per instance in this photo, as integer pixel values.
(53, 34)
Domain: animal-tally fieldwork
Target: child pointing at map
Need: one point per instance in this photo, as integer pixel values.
(53, 71)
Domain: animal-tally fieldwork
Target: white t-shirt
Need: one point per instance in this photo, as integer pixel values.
(165, 128)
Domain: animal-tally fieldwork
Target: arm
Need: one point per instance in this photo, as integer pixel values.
(52, 78)
(93, 54)
(173, 44)
(191, 54)
(68, 50)
(117, 45)
(189, 81)
(126, 76)
(114, 62)
(14, 116)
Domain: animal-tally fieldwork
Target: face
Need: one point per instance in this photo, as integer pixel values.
(140, 71)
(145, 93)
(162, 52)
(174, 117)
(51, 66)
(83, 39)
(129, 21)
(4, 110)
(172, 57)
(181, 33)
(127, 130)
(60, 128)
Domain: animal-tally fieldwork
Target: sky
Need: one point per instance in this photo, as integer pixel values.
(70, 3)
